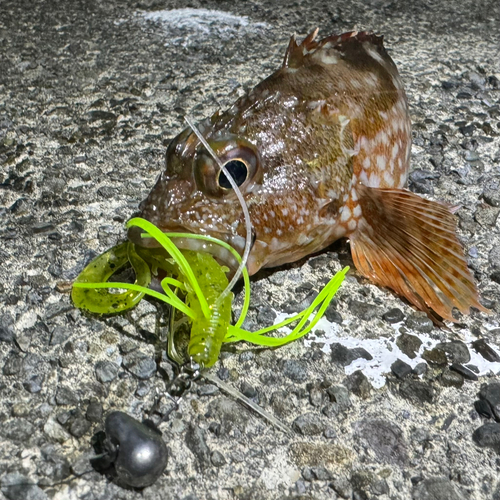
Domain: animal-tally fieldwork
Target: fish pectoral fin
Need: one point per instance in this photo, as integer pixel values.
(409, 244)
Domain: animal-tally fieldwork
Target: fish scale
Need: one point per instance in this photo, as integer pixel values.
(321, 149)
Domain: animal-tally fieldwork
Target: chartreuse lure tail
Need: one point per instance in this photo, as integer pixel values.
(202, 280)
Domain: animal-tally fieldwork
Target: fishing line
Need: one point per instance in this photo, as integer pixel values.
(248, 222)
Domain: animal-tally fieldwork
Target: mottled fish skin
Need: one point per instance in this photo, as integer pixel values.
(331, 121)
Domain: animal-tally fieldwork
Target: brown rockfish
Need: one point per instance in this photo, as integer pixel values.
(320, 150)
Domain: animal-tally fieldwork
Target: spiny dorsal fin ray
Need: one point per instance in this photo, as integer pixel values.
(399, 243)
(296, 52)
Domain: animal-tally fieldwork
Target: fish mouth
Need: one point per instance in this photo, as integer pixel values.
(222, 255)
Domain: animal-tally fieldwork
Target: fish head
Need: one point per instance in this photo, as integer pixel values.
(271, 155)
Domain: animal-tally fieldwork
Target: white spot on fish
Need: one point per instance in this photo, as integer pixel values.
(356, 211)
(381, 162)
(351, 225)
(346, 214)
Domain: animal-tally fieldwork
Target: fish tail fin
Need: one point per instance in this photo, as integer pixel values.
(409, 244)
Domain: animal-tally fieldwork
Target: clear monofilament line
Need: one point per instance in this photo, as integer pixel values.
(248, 222)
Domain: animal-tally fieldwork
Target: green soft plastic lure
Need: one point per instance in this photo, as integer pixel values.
(201, 279)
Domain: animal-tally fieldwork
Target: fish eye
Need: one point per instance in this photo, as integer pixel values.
(237, 169)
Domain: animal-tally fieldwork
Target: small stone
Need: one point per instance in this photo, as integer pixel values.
(139, 364)
(486, 215)
(342, 487)
(401, 369)
(60, 334)
(420, 369)
(488, 353)
(6, 328)
(491, 192)
(79, 427)
(409, 344)
(33, 383)
(457, 351)
(196, 442)
(344, 356)
(18, 430)
(488, 436)
(494, 257)
(207, 390)
(491, 394)
(385, 438)
(364, 310)
(266, 315)
(416, 391)
(340, 395)
(451, 378)
(12, 365)
(217, 459)
(436, 488)
(419, 322)
(65, 396)
(55, 431)
(94, 411)
(223, 374)
(465, 372)
(332, 315)
(483, 408)
(106, 371)
(308, 425)
(435, 357)
(248, 390)
(295, 370)
(394, 315)
(56, 466)
(358, 384)
(15, 486)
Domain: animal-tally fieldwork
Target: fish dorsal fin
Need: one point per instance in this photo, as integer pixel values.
(297, 52)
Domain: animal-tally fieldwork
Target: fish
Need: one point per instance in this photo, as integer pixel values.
(320, 150)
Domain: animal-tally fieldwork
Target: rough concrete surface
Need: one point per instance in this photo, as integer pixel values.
(90, 93)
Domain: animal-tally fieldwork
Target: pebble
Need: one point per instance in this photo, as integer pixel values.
(15, 486)
(488, 436)
(419, 322)
(451, 378)
(139, 364)
(17, 430)
(364, 310)
(409, 344)
(56, 466)
(6, 330)
(456, 350)
(94, 411)
(483, 408)
(486, 215)
(196, 442)
(266, 315)
(55, 431)
(316, 473)
(248, 390)
(488, 353)
(494, 257)
(436, 488)
(401, 369)
(33, 383)
(358, 384)
(394, 315)
(416, 391)
(106, 371)
(228, 413)
(420, 369)
(59, 335)
(491, 394)
(385, 438)
(217, 459)
(435, 357)
(13, 364)
(223, 374)
(340, 395)
(65, 396)
(332, 315)
(295, 370)
(79, 427)
(308, 425)
(207, 390)
(344, 356)
(342, 487)
(465, 372)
